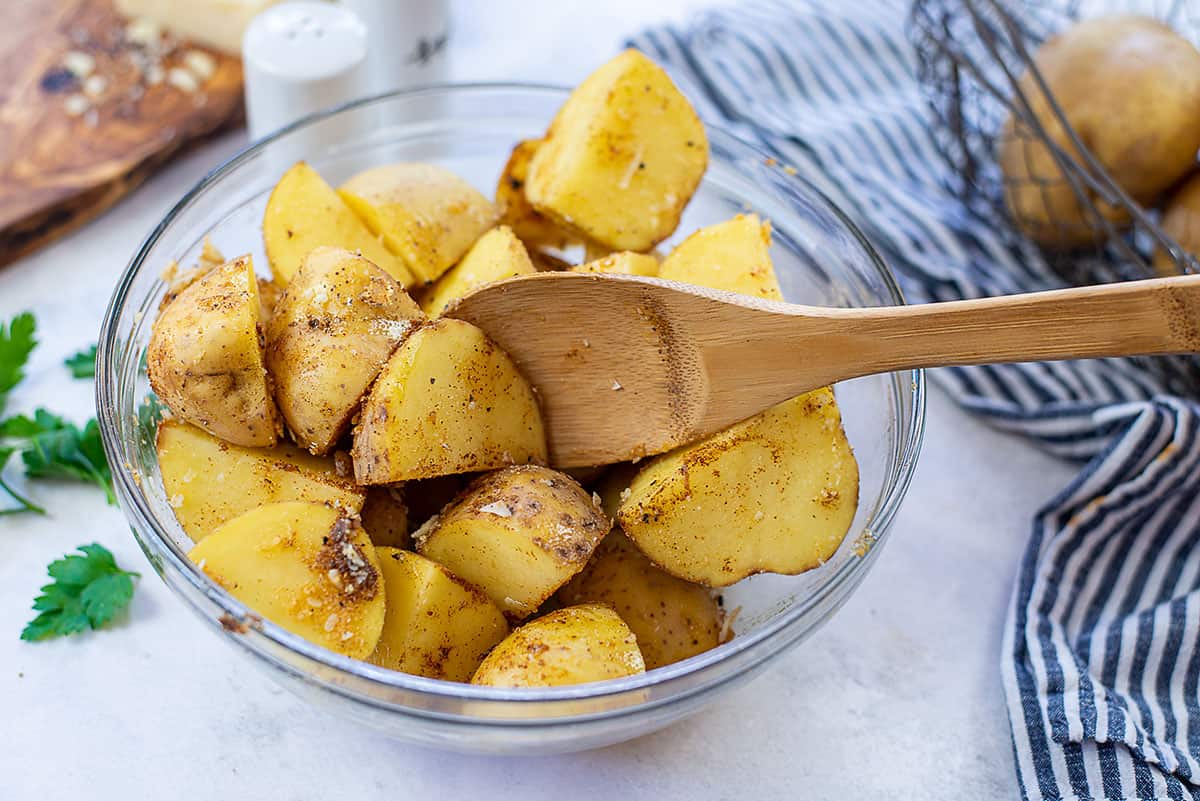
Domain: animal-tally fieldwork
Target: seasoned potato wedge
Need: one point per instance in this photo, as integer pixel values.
(306, 567)
(673, 619)
(775, 493)
(385, 517)
(571, 646)
(497, 255)
(533, 228)
(518, 534)
(622, 157)
(625, 262)
(733, 256)
(209, 481)
(205, 357)
(427, 215)
(304, 213)
(337, 323)
(448, 401)
(436, 624)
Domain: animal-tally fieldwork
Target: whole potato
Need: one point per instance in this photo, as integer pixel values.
(1130, 88)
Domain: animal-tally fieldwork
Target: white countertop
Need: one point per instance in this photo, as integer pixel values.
(898, 696)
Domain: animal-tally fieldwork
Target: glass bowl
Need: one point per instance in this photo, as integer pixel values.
(821, 258)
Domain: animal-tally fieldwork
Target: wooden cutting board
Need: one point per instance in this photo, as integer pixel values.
(74, 140)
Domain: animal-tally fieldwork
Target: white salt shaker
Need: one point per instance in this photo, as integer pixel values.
(407, 41)
(298, 58)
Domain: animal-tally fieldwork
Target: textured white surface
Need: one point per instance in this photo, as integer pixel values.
(898, 697)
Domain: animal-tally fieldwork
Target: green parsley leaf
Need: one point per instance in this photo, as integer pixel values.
(16, 343)
(88, 591)
(83, 363)
(52, 447)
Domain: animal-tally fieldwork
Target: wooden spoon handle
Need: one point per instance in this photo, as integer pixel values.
(1154, 316)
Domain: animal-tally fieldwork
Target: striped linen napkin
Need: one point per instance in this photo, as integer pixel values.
(1101, 654)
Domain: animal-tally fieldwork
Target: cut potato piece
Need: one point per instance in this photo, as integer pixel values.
(305, 567)
(337, 323)
(497, 255)
(775, 493)
(385, 517)
(533, 228)
(571, 646)
(547, 262)
(427, 215)
(733, 256)
(304, 213)
(209, 482)
(673, 619)
(622, 157)
(625, 262)
(436, 624)
(518, 534)
(205, 358)
(448, 401)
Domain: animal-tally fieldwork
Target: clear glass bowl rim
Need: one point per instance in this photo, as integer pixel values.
(142, 518)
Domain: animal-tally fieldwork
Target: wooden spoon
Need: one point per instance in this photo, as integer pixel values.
(628, 366)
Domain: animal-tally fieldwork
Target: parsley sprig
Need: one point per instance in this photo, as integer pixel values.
(88, 590)
(50, 446)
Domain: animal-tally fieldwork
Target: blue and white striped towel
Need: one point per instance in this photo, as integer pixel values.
(1101, 658)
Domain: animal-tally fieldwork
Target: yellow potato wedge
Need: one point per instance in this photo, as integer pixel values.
(426, 215)
(205, 357)
(436, 624)
(571, 646)
(518, 534)
(673, 619)
(775, 493)
(333, 329)
(733, 256)
(622, 157)
(304, 213)
(448, 401)
(533, 229)
(209, 482)
(497, 255)
(305, 567)
(385, 517)
(624, 262)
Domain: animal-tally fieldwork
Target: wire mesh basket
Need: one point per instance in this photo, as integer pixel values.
(976, 59)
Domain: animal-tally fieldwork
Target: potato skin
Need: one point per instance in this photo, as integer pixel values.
(306, 567)
(496, 255)
(673, 619)
(304, 213)
(436, 624)
(448, 401)
(622, 157)
(733, 256)
(209, 482)
(426, 215)
(775, 493)
(576, 645)
(333, 329)
(518, 534)
(1130, 87)
(205, 358)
